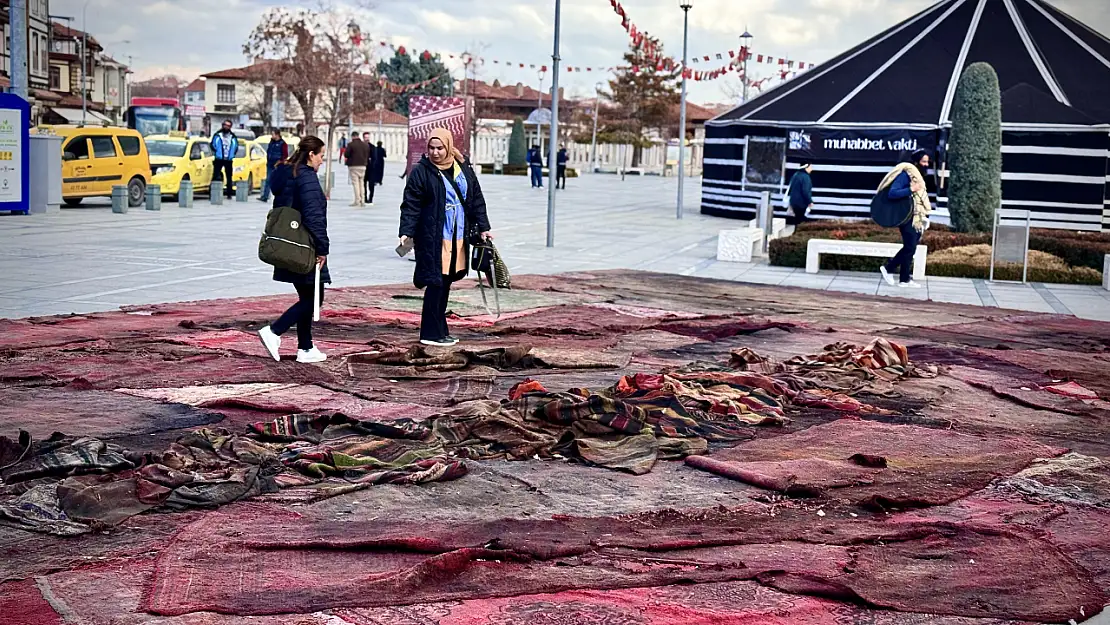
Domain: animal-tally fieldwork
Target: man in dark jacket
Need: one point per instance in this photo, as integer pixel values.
(376, 175)
(276, 152)
(800, 194)
(224, 146)
(561, 170)
(358, 157)
(535, 166)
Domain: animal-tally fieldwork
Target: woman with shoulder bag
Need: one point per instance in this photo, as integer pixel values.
(296, 184)
(442, 214)
(903, 202)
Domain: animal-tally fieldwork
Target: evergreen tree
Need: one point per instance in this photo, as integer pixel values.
(646, 98)
(518, 146)
(403, 69)
(975, 150)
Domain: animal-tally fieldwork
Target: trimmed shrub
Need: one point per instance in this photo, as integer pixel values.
(975, 150)
(518, 145)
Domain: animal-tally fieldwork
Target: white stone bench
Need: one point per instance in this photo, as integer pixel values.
(739, 245)
(1106, 272)
(861, 248)
(778, 228)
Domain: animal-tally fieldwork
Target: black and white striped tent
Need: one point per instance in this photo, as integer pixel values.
(853, 116)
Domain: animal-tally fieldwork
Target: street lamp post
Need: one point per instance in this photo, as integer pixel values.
(539, 106)
(84, 62)
(356, 37)
(552, 155)
(593, 142)
(745, 50)
(682, 110)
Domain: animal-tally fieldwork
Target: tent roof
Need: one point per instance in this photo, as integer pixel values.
(907, 75)
(1024, 104)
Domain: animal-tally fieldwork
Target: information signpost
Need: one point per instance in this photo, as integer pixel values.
(15, 124)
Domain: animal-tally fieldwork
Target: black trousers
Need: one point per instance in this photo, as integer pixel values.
(561, 176)
(299, 314)
(433, 316)
(903, 260)
(224, 172)
(369, 191)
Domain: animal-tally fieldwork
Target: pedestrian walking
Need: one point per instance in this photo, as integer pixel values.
(296, 184)
(342, 147)
(442, 213)
(276, 152)
(799, 195)
(903, 202)
(561, 169)
(370, 168)
(376, 175)
(535, 166)
(358, 157)
(224, 146)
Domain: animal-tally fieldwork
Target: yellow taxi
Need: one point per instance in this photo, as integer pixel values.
(95, 159)
(249, 164)
(175, 157)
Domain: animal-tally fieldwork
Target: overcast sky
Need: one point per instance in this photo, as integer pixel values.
(190, 37)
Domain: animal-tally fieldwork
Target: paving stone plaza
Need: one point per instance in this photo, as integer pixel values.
(89, 259)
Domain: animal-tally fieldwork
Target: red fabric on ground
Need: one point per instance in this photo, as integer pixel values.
(249, 344)
(270, 565)
(923, 466)
(21, 603)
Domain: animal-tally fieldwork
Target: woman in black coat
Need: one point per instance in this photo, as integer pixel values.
(296, 184)
(443, 202)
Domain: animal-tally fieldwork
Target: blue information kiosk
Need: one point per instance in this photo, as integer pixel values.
(15, 127)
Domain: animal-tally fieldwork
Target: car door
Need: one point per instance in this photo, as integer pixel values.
(78, 169)
(108, 163)
(200, 166)
(258, 164)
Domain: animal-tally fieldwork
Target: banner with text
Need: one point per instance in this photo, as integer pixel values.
(880, 145)
(429, 112)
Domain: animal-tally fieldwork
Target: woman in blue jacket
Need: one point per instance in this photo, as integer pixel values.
(295, 183)
(907, 180)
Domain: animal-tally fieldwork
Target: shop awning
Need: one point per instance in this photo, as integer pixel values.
(74, 116)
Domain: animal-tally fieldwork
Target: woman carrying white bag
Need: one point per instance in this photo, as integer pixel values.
(296, 184)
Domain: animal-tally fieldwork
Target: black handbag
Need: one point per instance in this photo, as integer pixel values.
(890, 213)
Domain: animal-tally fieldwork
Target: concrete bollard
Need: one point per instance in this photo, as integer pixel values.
(185, 194)
(154, 197)
(242, 191)
(216, 193)
(119, 198)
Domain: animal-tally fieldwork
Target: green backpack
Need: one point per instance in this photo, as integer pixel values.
(286, 243)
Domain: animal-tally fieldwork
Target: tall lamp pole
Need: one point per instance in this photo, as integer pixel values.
(84, 62)
(746, 42)
(686, 6)
(356, 40)
(539, 106)
(552, 155)
(593, 142)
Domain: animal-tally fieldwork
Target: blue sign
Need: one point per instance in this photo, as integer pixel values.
(15, 126)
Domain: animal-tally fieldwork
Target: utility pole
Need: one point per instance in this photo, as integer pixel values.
(17, 18)
(552, 153)
(593, 142)
(682, 111)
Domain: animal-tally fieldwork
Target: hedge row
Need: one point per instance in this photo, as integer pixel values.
(1078, 249)
(1072, 275)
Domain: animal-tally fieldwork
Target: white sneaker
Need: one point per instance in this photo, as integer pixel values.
(909, 285)
(271, 342)
(886, 275)
(311, 355)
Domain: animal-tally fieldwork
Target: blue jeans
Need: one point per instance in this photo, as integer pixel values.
(537, 175)
(903, 260)
(266, 185)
